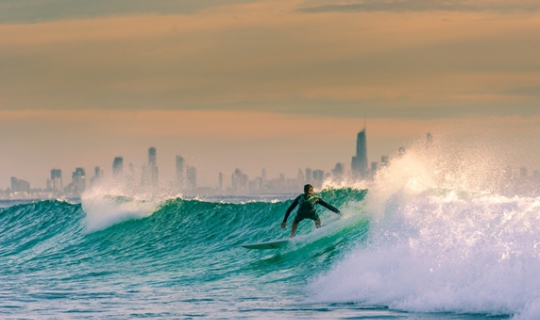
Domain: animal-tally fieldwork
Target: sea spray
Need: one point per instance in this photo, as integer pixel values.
(103, 211)
(448, 234)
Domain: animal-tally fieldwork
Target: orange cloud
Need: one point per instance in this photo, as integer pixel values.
(252, 56)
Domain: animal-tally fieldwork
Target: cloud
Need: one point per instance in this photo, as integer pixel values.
(268, 57)
(50, 10)
(526, 91)
(421, 6)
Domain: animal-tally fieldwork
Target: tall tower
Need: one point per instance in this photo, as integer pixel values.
(56, 179)
(180, 171)
(152, 157)
(79, 180)
(337, 173)
(191, 176)
(118, 167)
(309, 175)
(359, 162)
(98, 173)
(150, 172)
(220, 181)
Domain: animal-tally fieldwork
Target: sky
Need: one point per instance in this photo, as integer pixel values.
(280, 85)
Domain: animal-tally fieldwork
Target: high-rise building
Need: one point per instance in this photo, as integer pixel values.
(374, 168)
(118, 167)
(180, 171)
(18, 185)
(318, 175)
(239, 181)
(384, 161)
(309, 175)
(98, 173)
(56, 179)
(153, 166)
(150, 172)
(359, 162)
(152, 157)
(220, 181)
(337, 173)
(191, 177)
(79, 180)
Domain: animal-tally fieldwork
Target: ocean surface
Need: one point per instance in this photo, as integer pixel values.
(408, 246)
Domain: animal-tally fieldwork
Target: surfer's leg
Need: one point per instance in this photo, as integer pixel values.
(318, 223)
(294, 225)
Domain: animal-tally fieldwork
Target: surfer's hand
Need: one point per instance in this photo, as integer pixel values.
(283, 225)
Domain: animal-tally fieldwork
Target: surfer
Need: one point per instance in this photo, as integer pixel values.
(307, 210)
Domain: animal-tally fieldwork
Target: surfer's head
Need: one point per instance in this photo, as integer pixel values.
(308, 189)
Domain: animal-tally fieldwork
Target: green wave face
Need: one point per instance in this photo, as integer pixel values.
(185, 246)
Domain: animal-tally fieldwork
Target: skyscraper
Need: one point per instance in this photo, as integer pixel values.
(180, 171)
(18, 185)
(359, 161)
(318, 175)
(150, 172)
(98, 173)
(118, 166)
(384, 161)
(79, 180)
(337, 173)
(309, 175)
(152, 157)
(239, 181)
(374, 168)
(191, 177)
(56, 179)
(220, 181)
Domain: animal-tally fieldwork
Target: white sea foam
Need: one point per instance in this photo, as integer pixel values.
(446, 235)
(111, 201)
(106, 209)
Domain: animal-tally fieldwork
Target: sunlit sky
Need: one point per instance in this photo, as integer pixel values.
(280, 85)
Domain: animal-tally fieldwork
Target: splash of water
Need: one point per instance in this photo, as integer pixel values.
(449, 233)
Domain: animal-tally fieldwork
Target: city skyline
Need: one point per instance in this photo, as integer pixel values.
(482, 130)
(185, 178)
(185, 175)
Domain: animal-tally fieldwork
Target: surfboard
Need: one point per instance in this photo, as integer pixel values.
(274, 244)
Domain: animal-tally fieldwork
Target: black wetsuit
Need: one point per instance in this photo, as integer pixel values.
(307, 208)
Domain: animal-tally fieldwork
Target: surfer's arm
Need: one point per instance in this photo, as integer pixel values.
(327, 206)
(290, 209)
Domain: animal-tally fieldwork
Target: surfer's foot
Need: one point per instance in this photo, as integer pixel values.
(293, 231)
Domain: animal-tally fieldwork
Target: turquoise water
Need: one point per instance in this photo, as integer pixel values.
(121, 257)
